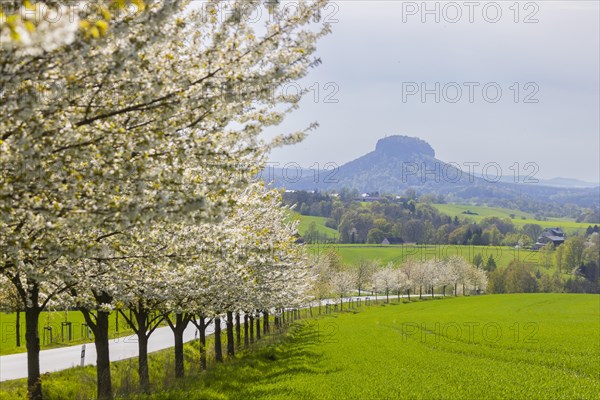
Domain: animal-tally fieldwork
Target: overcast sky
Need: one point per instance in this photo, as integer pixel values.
(381, 55)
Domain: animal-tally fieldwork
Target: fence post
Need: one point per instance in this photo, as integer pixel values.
(82, 355)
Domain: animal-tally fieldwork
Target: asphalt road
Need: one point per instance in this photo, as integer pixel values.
(14, 366)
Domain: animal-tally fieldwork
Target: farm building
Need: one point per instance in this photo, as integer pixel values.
(392, 240)
(556, 236)
(369, 197)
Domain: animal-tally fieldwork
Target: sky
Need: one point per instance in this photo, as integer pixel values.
(487, 82)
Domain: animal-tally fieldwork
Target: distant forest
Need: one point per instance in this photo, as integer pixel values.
(414, 220)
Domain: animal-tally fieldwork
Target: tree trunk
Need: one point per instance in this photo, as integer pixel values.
(246, 329)
(265, 322)
(218, 347)
(455, 289)
(432, 292)
(258, 326)
(251, 322)
(387, 296)
(238, 329)
(178, 328)
(179, 365)
(143, 363)
(99, 328)
(141, 316)
(420, 292)
(202, 329)
(18, 328)
(103, 356)
(408, 292)
(32, 339)
(230, 343)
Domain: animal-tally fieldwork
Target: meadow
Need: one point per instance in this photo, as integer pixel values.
(54, 319)
(538, 346)
(520, 218)
(353, 254)
(306, 220)
(503, 346)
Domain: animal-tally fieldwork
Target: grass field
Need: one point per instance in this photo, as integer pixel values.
(536, 346)
(352, 254)
(521, 218)
(517, 346)
(54, 319)
(305, 221)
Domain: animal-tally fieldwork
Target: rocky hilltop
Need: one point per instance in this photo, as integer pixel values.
(403, 146)
(402, 162)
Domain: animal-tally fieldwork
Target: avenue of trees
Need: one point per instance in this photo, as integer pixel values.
(129, 140)
(575, 264)
(453, 276)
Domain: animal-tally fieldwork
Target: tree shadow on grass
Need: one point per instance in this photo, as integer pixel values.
(260, 374)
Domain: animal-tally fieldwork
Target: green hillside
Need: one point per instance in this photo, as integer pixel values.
(520, 218)
(306, 220)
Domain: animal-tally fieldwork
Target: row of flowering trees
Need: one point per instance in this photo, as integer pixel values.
(128, 143)
(410, 277)
(248, 265)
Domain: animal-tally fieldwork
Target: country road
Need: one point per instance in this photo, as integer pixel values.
(14, 366)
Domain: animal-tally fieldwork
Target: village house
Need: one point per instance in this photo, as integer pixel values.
(392, 240)
(556, 236)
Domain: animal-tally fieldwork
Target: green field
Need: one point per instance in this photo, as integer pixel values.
(54, 319)
(352, 254)
(522, 346)
(305, 221)
(521, 218)
(504, 346)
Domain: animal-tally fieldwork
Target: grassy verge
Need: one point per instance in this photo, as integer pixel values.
(79, 383)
